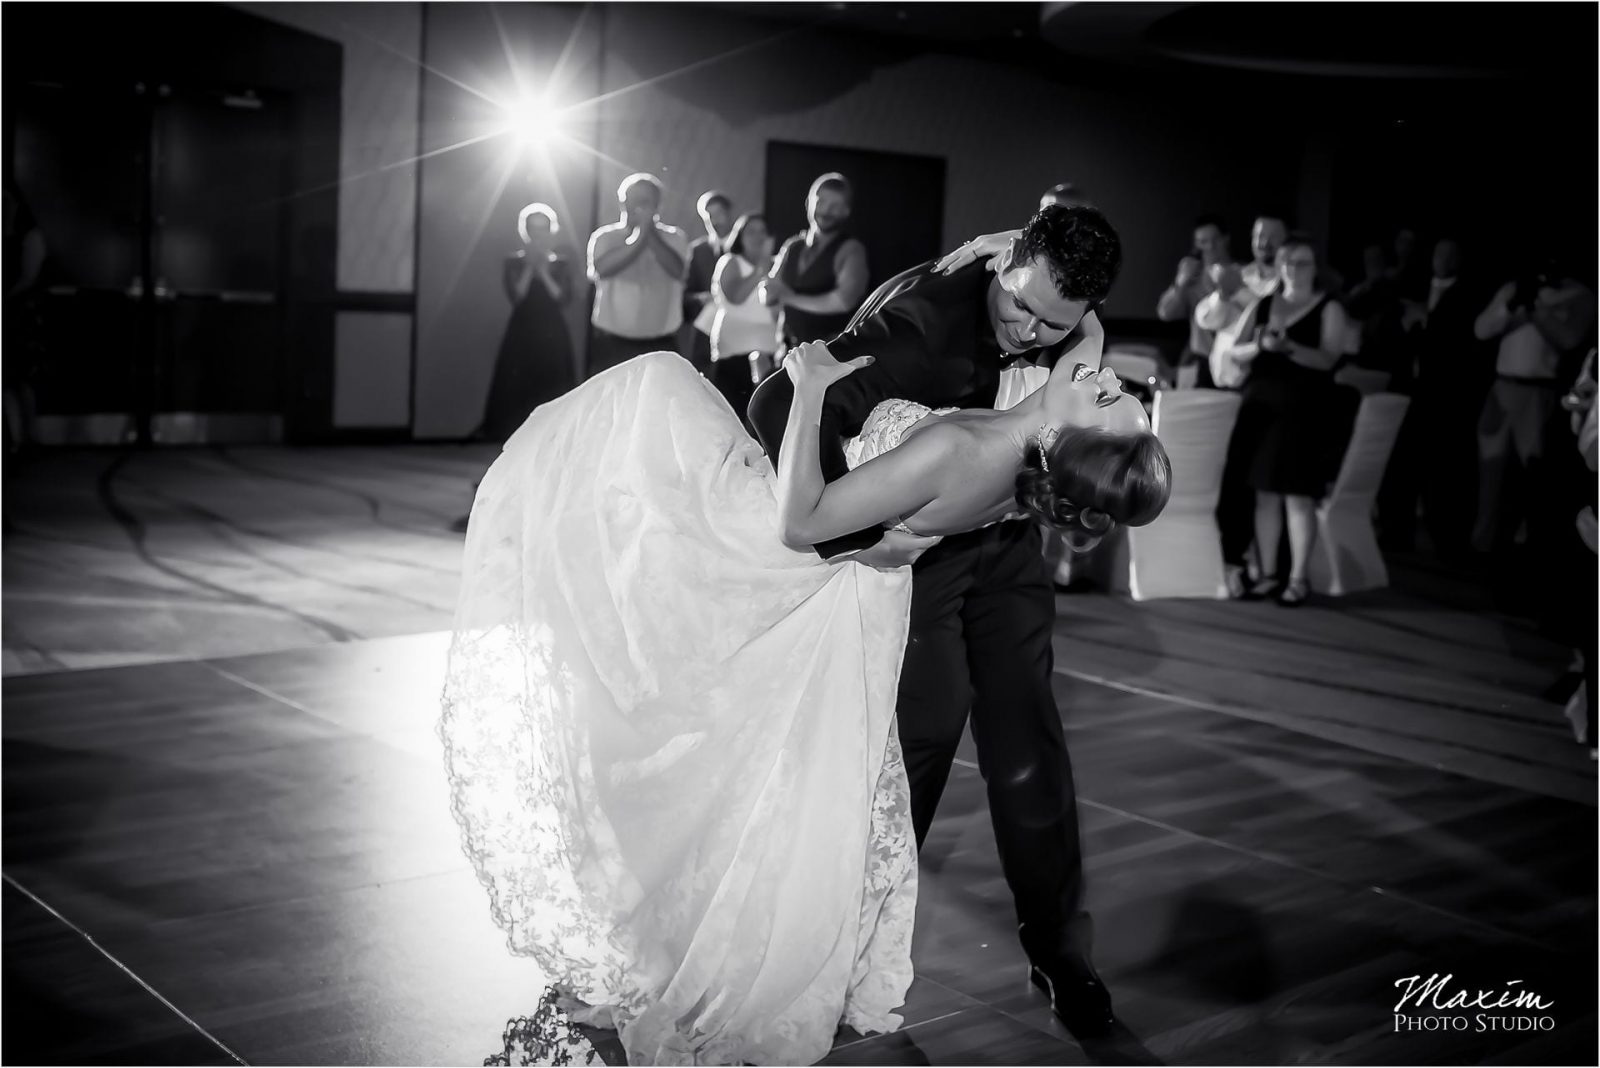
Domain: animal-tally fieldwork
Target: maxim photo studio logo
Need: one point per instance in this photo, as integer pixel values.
(1438, 1003)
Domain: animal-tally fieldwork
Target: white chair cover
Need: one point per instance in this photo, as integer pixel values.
(1346, 558)
(1180, 554)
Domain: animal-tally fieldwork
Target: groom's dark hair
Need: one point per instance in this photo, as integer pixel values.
(1081, 247)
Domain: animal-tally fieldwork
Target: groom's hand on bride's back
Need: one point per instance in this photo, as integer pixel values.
(897, 549)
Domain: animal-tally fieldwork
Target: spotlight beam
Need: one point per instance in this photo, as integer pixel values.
(566, 49)
(380, 169)
(413, 60)
(593, 151)
(505, 45)
(696, 65)
(491, 204)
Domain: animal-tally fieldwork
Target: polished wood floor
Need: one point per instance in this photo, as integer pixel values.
(247, 856)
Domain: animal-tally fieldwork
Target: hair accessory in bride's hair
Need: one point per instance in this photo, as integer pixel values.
(1047, 438)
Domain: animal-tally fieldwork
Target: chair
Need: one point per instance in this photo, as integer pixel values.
(1180, 554)
(1363, 380)
(1346, 558)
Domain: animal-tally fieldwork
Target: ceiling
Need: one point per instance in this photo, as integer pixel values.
(1363, 47)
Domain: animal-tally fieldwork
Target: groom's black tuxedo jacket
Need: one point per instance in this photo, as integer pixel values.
(932, 343)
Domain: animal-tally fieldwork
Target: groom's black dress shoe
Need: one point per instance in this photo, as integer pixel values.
(1077, 996)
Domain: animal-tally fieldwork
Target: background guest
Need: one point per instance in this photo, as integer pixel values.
(1581, 403)
(534, 364)
(1235, 291)
(1200, 273)
(744, 333)
(1541, 320)
(716, 215)
(819, 276)
(1294, 420)
(1434, 462)
(637, 267)
(1375, 302)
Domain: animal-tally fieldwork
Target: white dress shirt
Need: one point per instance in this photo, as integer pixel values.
(643, 300)
(1018, 381)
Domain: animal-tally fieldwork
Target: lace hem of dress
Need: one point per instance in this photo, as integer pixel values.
(549, 1036)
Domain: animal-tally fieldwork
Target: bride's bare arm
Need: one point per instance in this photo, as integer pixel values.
(894, 484)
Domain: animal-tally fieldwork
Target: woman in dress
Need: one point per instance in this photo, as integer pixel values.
(669, 726)
(535, 360)
(744, 334)
(1294, 419)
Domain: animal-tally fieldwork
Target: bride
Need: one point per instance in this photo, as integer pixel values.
(669, 726)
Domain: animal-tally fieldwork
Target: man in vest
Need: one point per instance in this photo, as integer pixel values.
(818, 277)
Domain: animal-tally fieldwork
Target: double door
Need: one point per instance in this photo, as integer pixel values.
(160, 305)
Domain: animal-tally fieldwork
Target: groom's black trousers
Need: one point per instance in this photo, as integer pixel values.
(982, 611)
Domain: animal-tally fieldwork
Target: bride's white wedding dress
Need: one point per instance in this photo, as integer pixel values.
(671, 740)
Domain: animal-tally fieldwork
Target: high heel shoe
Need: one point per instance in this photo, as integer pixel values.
(1264, 587)
(1295, 593)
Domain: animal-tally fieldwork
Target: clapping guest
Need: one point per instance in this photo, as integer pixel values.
(1200, 273)
(535, 360)
(1236, 289)
(637, 266)
(744, 334)
(1294, 420)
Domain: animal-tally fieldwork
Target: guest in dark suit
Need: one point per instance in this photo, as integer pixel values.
(982, 605)
(1435, 456)
(819, 277)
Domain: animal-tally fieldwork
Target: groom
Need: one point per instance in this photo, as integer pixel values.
(982, 603)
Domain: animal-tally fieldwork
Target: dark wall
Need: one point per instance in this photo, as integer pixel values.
(114, 48)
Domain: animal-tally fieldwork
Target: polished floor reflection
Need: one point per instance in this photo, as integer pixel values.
(248, 856)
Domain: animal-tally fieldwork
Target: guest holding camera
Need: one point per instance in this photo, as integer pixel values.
(1200, 273)
(1542, 320)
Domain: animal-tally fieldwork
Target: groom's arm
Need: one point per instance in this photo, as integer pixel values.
(904, 341)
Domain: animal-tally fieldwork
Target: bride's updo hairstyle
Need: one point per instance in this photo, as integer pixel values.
(1089, 480)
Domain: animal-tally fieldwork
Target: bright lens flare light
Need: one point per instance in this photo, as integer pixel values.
(535, 122)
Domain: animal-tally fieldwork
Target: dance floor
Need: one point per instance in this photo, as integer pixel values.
(226, 836)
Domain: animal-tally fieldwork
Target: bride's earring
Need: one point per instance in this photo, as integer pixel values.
(1046, 438)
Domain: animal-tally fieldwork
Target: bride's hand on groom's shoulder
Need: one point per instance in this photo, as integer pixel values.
(989, 247)
(811, 367)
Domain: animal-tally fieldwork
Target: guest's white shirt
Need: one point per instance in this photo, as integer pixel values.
(1524, 351)
(643, 300)
(1217, 312)
(744, 327)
